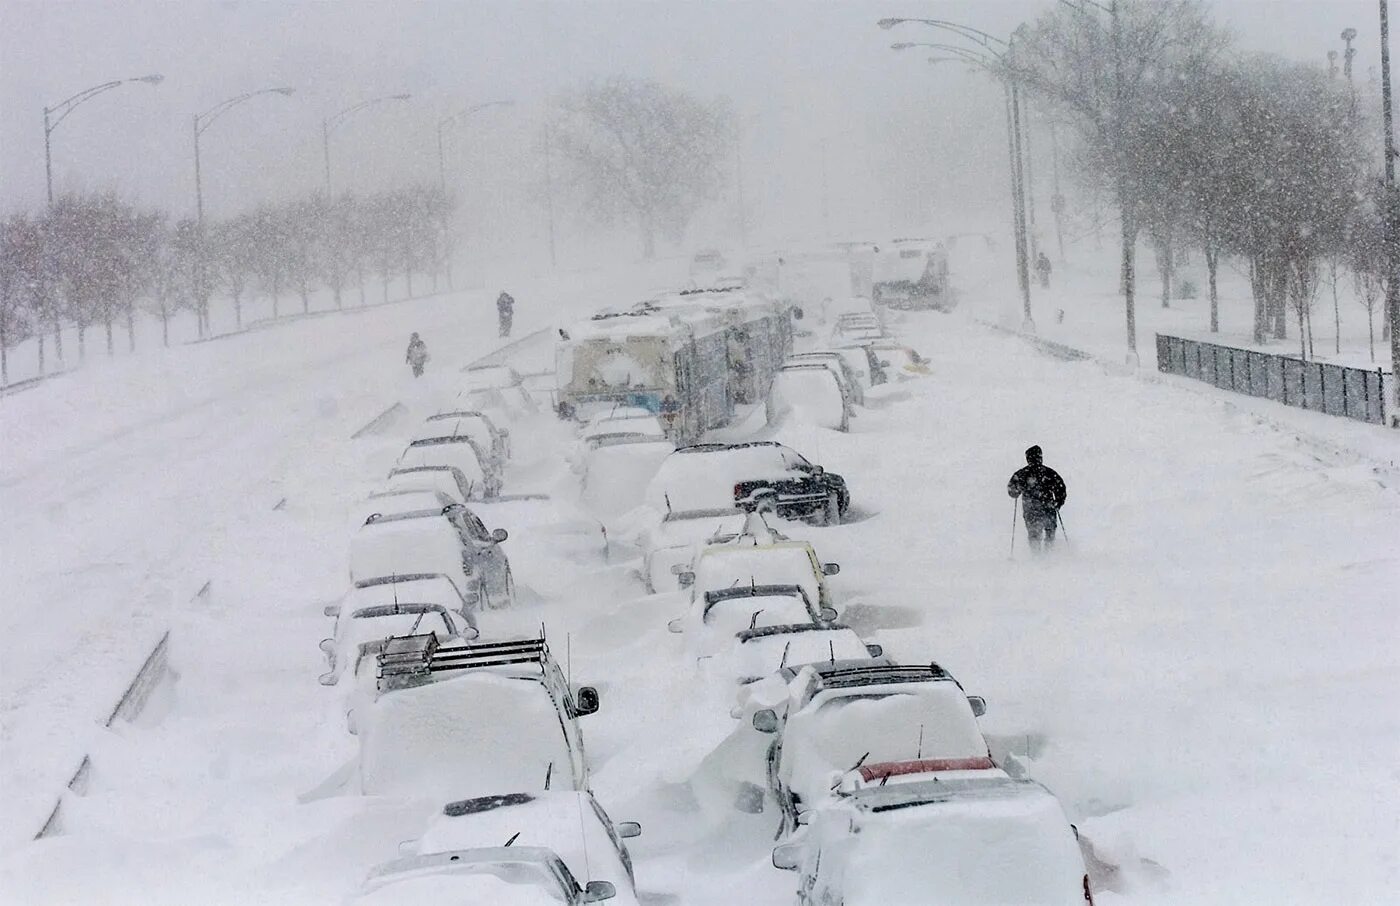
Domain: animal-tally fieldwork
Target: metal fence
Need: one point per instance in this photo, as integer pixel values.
(1333, 389)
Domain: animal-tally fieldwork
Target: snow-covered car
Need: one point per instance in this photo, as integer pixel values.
(841, 715)
(899, 362)
(855, 330)
(670, 546)
(496, 389)
(855, 383)
(491, 437)
(376, 622)
(765, 651)
(451, 541)
(811, 395)
(615, 469)
(435, 448)
(746, 561)
(499, 876)
(569, 823)
(462, 721)
(399, 500)
(715, 618)
(956, 838)
(762, 475)
(434, 588)
(448, 480)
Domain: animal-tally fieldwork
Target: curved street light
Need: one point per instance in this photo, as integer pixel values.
(329, 124)
(59, 112)
(203, 121)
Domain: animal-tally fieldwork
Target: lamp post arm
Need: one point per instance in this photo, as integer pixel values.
(206, 119)
(71, 104)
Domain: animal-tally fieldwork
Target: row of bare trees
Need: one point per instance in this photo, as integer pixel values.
(95, 260)
(1268, 161)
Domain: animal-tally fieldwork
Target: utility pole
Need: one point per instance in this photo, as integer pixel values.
(1022, 240)
(549, 188)
(1030, 181)
(1126, 215)
(739, 189)
(1392, 219)
(1057, 201)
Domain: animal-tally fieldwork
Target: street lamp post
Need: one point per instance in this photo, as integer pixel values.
(442, 126)
(1392, 218)
(993, 61)
(203, 121)
(329, 124)
(60, 111)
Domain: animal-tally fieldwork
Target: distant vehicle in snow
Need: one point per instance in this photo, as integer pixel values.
(812, 394)
(448, 480)
(912, 274)
(974, 837)
(500, 876)
(435, 445)
(899, 362)
(471, 720)
(645, 424)
(571, 824)
(841, 715)
(707, 265)
(857, 331)
(451, 541)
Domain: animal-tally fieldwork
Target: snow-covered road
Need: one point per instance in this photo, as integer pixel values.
(1205, 673)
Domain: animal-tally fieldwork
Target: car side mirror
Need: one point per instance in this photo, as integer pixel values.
(408, 847)
(830, 569)
(327, 678)
(327, 646)
(787, 856)
(766, 721)
(499, 535)
(805, 818)
(597, 891)
(628, 829)
(818, 471)
(586, 701)
(884, 363)
(675, 626)
(469, 633)
(471, 598)
(331, 610)
(979, 705)
(875, 650)
(828, 614)
(685, 578)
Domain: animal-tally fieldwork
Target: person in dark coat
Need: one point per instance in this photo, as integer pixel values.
(1042, 492)
(505, 311)
(1042, 270)
(417, 355)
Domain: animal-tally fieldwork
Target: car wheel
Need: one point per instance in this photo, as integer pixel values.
(831, 510)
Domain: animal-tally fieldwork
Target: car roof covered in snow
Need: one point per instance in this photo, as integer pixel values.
(703, 476)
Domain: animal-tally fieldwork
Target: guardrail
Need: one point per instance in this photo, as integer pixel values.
(1338, 390)
(132, 702)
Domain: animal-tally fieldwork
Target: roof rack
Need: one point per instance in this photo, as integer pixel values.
(408, 661)
(879, 674)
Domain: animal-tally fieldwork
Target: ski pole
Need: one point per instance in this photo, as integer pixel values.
(1063, 531)
(1013, 529)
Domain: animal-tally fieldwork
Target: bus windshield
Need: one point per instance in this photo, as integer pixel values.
(635, 363)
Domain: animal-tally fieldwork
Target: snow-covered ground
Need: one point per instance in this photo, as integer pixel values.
(1205, 672)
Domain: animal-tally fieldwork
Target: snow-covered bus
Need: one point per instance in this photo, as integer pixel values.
(692, 356)
(912, 274)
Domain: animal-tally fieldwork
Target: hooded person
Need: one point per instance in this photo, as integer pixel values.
(417, 354)
(1042, 492)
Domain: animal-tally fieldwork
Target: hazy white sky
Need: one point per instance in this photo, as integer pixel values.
(811, 72)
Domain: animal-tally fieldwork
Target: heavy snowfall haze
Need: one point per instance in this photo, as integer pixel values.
(904, 145)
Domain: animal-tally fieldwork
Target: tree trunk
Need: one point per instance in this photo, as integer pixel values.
(1165, 267)
(648, 237)
(4, 354)
(131, 327)
(1129, 277)
(1307, 318)
(305, 299)
(335, 290)
(41, 352)
(1370, 329)
(1336, 311)
(1302, 337)
(82, 342)
(1212, 261)
(384, 281)
(107, 327)
(360, 273)
(57, 340)
(164, 325)
(238, 309)
(408, 276)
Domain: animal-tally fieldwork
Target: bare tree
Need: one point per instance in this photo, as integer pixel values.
(643, 152)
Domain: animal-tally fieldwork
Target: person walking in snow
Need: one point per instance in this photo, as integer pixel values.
(1042, 270)
(505, 311)
(417, 354)
(1042, 492)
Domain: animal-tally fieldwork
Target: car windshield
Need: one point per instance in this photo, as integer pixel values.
(734, 614)
(761, 656)
(375, 627)
(926, 720)
(1012, 850)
